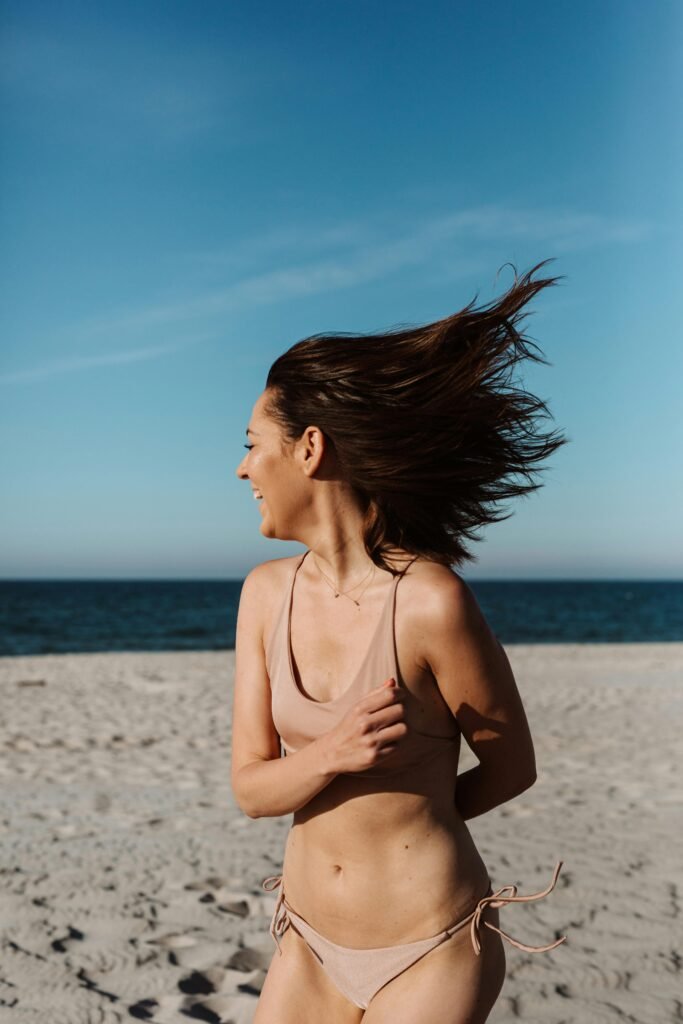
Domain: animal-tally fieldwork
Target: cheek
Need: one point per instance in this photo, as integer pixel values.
(263, 468)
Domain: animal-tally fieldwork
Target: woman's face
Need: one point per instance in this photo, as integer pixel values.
(272, 472)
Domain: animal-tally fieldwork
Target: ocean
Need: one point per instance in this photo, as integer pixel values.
(70, 616)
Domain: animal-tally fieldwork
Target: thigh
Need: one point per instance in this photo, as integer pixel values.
(296, 990)
(450, 985)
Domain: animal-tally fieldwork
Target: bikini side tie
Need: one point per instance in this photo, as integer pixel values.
(497, 899)
(280, 921)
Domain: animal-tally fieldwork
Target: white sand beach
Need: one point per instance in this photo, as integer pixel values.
(130, 881)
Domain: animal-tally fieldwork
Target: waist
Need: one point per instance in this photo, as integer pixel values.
(378, 886)
(357, 809)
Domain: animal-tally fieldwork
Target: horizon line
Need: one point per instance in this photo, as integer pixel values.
(240, 579)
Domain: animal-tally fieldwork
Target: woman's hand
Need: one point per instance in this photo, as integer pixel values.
(368, 732)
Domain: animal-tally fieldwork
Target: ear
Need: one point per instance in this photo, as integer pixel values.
(313, 444)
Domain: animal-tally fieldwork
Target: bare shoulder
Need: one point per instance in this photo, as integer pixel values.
(266, 575)
(262, 589)
(440, 598)
(444, 618)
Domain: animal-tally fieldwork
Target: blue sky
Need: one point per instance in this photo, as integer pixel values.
(187, 189)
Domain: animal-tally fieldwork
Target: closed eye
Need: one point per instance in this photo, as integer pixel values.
(248, 446)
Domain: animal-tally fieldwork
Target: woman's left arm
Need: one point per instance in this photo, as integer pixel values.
(475, 679)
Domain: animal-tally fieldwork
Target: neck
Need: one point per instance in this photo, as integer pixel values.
(344, 567)
(332, 529)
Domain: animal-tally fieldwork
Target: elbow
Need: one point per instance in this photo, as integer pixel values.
(248, 809)
(245, 804)
(527, 782)
(526, 771)
(251, 812)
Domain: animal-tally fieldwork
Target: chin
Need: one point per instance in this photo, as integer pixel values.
(266, 530)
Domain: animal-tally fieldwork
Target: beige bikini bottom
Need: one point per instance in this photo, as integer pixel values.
(359, 974)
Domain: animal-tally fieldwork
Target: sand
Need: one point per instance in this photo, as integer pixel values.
(130, 881)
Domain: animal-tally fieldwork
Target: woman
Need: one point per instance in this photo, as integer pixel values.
(367, 658)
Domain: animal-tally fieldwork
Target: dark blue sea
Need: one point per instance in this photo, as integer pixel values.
(55, 617)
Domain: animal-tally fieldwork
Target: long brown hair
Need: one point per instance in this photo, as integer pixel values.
(427, 423)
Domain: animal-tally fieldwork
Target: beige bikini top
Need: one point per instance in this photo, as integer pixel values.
(300, 720)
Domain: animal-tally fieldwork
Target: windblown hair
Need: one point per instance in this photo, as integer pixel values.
(427, 423)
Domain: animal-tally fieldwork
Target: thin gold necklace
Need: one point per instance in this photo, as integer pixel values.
(345, 593)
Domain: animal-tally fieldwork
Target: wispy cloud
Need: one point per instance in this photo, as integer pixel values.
(361, 257)
(281, 242)
(75, 363)
(449, 235)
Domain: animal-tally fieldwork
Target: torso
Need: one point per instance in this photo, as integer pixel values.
(375, 861)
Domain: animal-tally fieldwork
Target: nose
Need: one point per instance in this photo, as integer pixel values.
(240, 472)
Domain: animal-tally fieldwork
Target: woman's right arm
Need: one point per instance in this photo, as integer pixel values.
(263, 783)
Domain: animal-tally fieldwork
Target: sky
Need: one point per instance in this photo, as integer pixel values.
(188, 189)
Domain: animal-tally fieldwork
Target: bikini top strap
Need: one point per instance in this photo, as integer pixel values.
(288, 600)
(399, 575)
(404, 571)
(278, 638)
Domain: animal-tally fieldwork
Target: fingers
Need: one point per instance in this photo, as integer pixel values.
(382, 697)
(386, 716)
(377, 719)
(391, 735)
